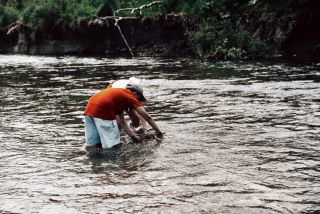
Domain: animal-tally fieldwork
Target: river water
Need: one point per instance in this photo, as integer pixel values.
(241, 137)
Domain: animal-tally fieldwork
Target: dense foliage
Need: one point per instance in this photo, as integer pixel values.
(219, 33)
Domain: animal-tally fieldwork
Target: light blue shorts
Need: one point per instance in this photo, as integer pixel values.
(101, 131)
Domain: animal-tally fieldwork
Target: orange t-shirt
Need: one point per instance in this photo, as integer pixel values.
(109, 102)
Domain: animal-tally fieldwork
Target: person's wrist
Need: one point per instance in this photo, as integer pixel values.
(135, 138)
(159, 134)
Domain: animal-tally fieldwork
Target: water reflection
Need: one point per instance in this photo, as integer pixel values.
(241, 137)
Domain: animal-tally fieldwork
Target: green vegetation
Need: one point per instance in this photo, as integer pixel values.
(43, 12)
(218, 34)
(37, 12)
(282, 6)
(8, 15)
(226, 40)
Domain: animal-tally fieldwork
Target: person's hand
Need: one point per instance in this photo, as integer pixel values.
(159, 135)
(136, 138)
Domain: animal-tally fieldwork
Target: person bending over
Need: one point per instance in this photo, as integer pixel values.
(105, 109)
(136, 119)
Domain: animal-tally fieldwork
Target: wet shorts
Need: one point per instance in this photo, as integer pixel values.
(101, 131)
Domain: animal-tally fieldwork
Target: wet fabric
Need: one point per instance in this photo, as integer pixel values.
(101, 131)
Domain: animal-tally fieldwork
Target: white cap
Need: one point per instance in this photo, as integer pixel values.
(135, 81)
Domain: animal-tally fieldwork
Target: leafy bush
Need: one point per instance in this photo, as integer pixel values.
(218, 34)
(226, 40)
(107, 8)
(74, 10)
(8, 15)
(281, 6)
(53, 11)
(44, 14)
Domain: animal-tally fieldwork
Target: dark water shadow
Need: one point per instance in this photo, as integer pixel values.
(125, 160)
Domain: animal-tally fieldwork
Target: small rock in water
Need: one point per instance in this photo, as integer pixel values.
(144, 134)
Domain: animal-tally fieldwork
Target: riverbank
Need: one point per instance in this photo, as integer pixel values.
(160, 35)
(261, 34)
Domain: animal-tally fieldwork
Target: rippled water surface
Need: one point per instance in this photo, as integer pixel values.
(240, 138)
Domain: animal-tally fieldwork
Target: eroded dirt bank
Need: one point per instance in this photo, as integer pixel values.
(161, 35)
(293, 34)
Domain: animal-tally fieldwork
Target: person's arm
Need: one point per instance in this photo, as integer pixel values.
(123, 124)
(143, 122)
(143, 113)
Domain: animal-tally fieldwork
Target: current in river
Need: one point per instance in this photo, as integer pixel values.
(240, 137)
